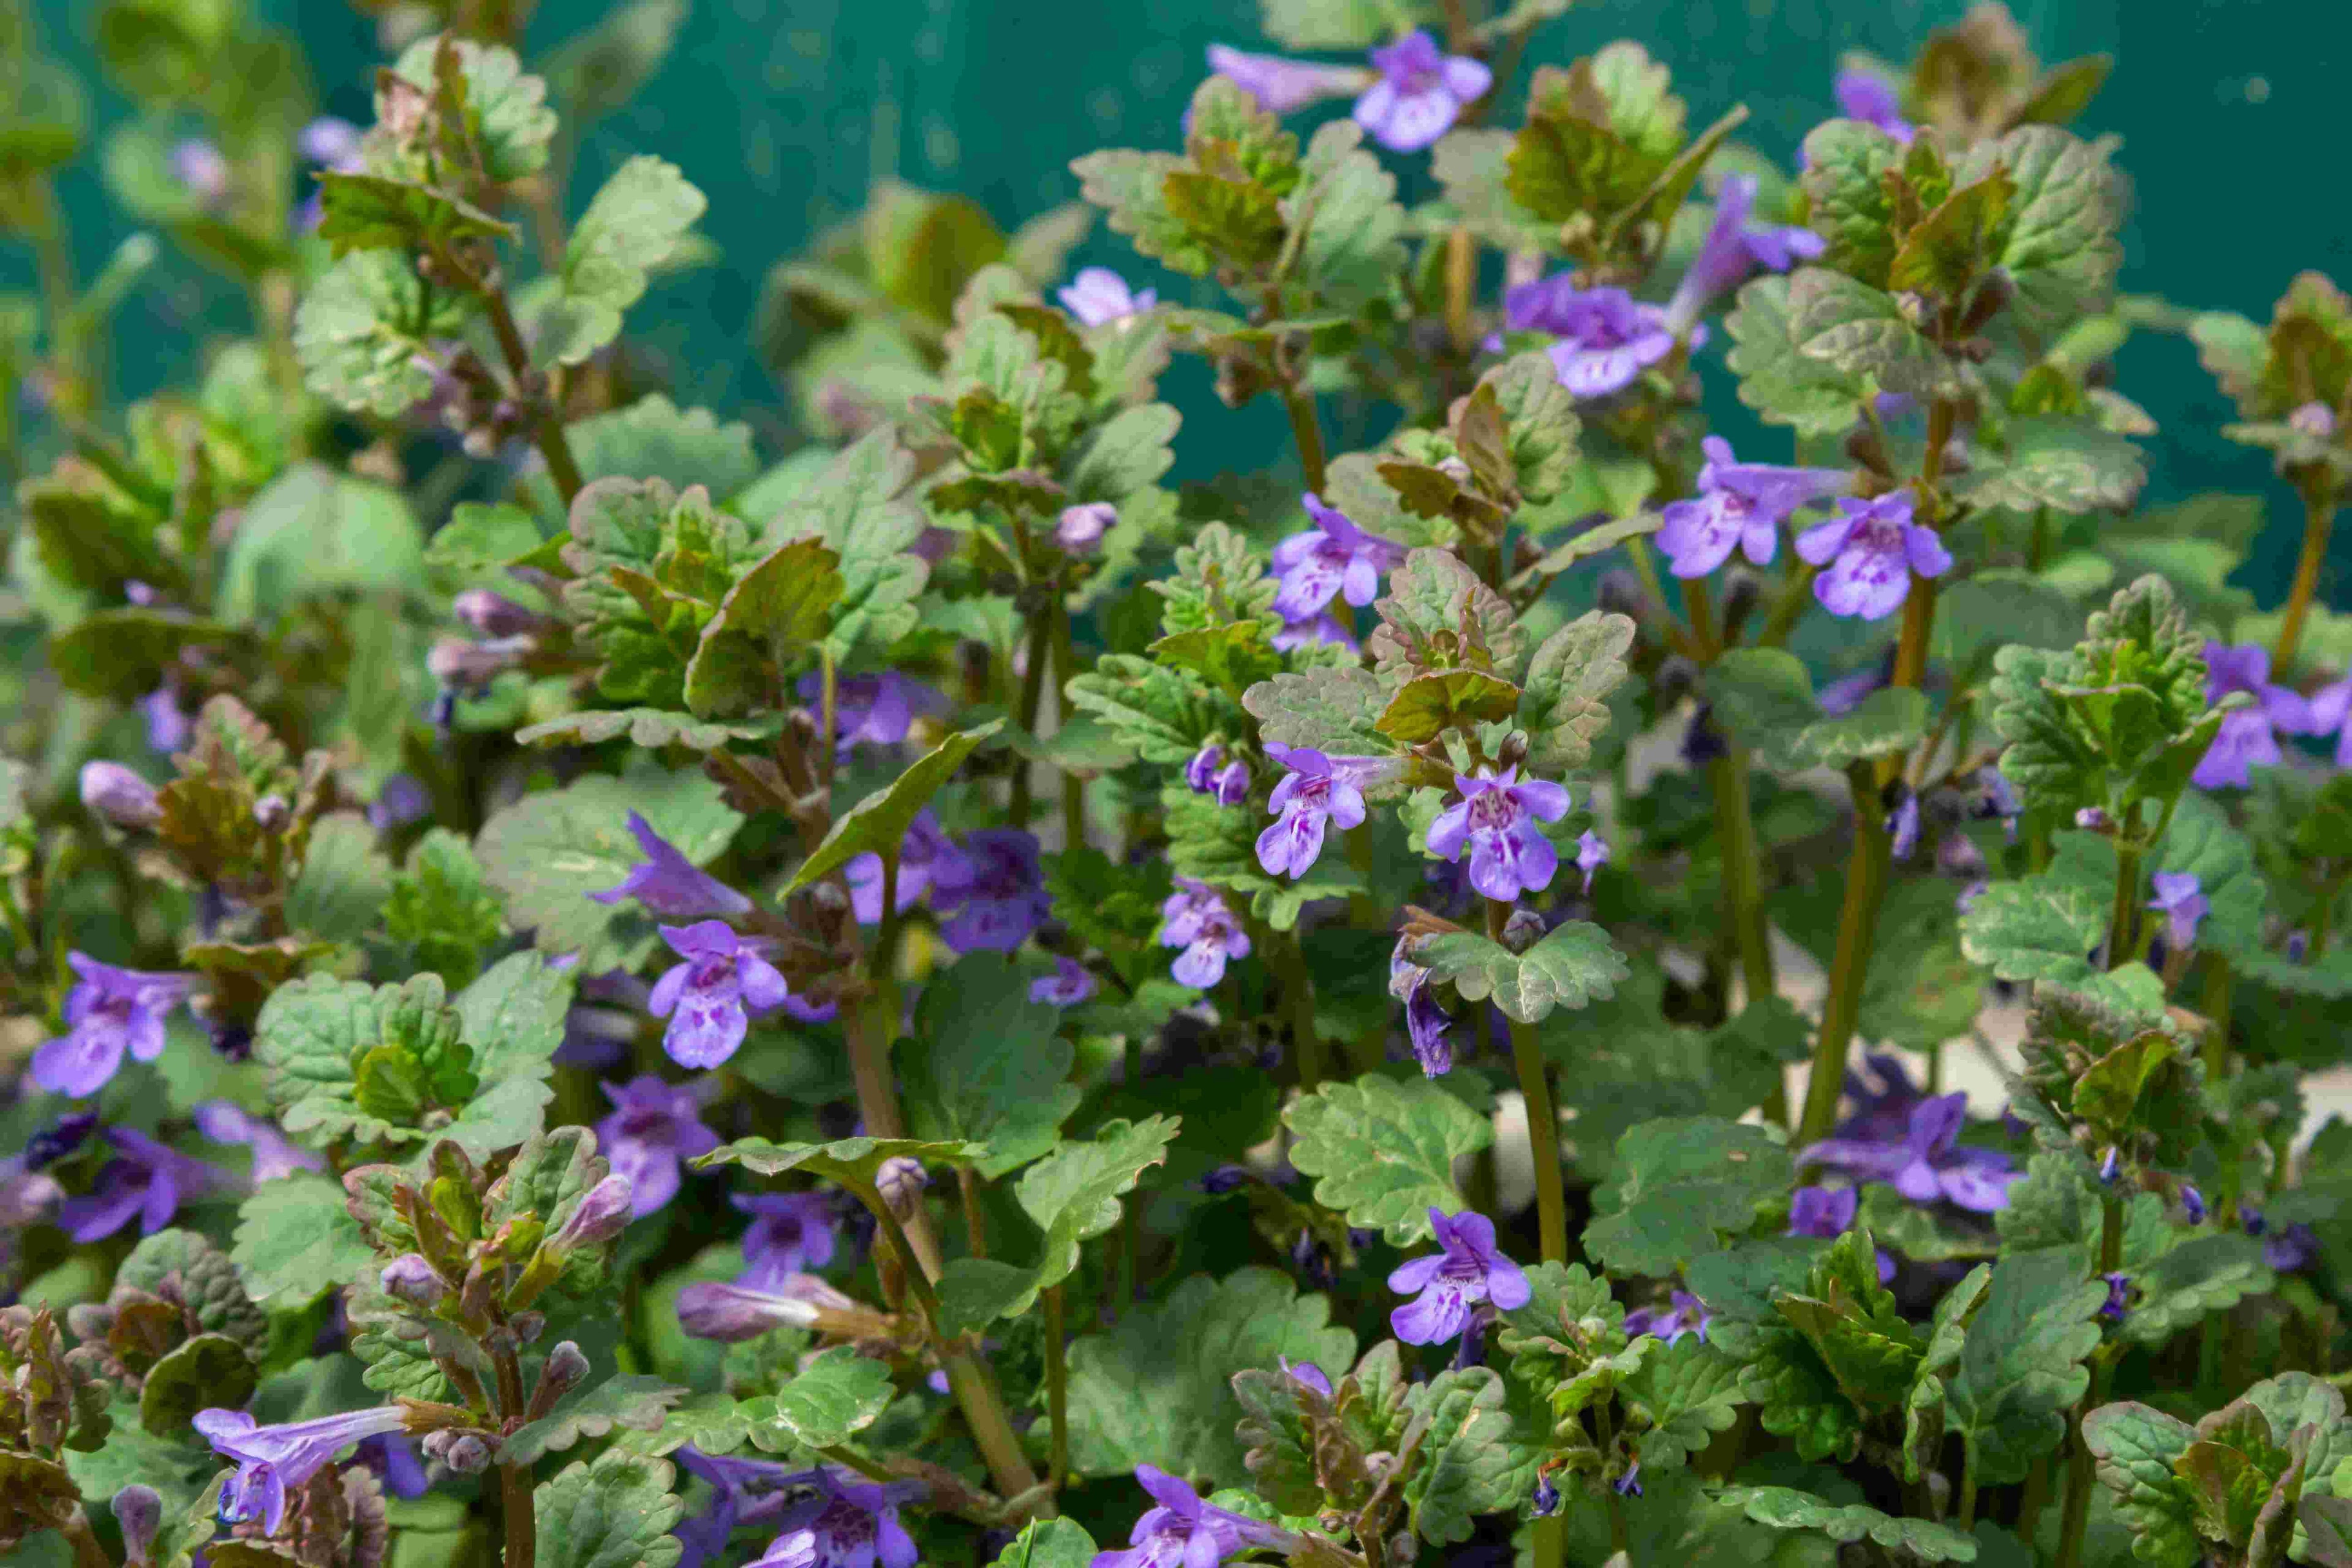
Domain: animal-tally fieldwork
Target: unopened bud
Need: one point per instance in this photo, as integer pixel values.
(1620, 592)
(139, 1509)
(414, 1281)
(116, 794)
(1232, 783)
(464, 1453)
(1677, 677)
(493, 615)
(564, 1368)
(732, 1313)
(1080, 528)
(1742, 592)
(464, 666)
(2095, 819)
(901, 1180)
(602, 1214)
(271, 814)
(1201, 772)
(2314, 420)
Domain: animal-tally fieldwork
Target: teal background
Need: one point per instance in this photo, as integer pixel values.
(2230, 112)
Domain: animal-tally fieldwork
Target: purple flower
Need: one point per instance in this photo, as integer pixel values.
(873, 710)
(2324, 712)
(1823, 1213)
(1732, 250)
(1307, 1374)
(1928, 1162)
(1497, 818)
(168, 726)
(199, 168)
(1871, 549)
(709, 997)
(1685, 1314)
(223, 1121)
(2192, 1202)
(108, 1011)
(856, 1526)
(1606, 336)
(1335, 558)
(274, 1460)
(400, 800)
(654, 1125)
(1196, 918)
(731, 1313)
(1322, 628)
(1201, 772)
(2179, 901)
(1420, 94)
(1316, 790)
(1098, 296)
(1281, 85)
(1068, 986)
(1868, 98)
(112, 792)
(329, 141)
(1547, 1500)
(669, 885)
(745, 1492)
(2290, 1248)
(1630, 1483)
(995, 889)
(1901, 823)
(1738, 505)
(926, 856)
(1426, 1023)
(1844, 695)
(1232, 784)
(1179, 1530)
(1466, 1273)
(1592, 854)
(2248, 736)
(2118, 1301)
(790, 1233)
(1080, 528)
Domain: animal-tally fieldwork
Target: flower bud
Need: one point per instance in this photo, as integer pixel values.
(1201, 772)
(562, 1372)
(732, 1313)
(1079, 529)
(491, 615)
(271, 814)
(464, 666)
(600, 1216)
(1523, 930)
(139, 1509)
(1232, 783)
(414, 1281)
(1677, 678)
(1620, 592)
(464, 1453)
(1547, 1497)
(116, 794)
(2315, 419)
(2095, 818)
(901, 1180)
(2192, 1202)
(1742, 591)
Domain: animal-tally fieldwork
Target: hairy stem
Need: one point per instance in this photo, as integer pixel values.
(1461, 277)
(1032, 693)
(87, 1553)
(1543, 1119)
(1066, 670)
(975, 1222)
(1057, 1388)
(2121, 919)
(2318, 520)
(1289, 961)
(1744, 884)
(1865, 877)
(2080, 1470)
(548, 435)
(1299, 404)
(522, 1529)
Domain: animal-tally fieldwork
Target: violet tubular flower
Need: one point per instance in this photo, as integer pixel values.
(709, 999)
(1871, 550)
(1182, 1531)
(2247, 737)
(144, 1181)
(710, 1310)
(1863, 96)
(857, 1526)
(1196, 918)
(1466, 1273)
(1928, 1162)
(1739, 506)
(745, 1492)
(272, 1461)
(1068, 986)
(1420, 92)
(1319, 628)
(790, 1232)
(2183, 903)
(109, 1012)
(1825, 1214)
(995, 888)
(1684, 1314)
(926, 856)
(1098, 297)
(1592, 854)
(653, 1126)
(873, 710)
(668, 884)
(1496, 818)
(224, 1122)
(1732, 251)
(1605, 336)
(1316, 790)
(1279, 84)
(1335, 558)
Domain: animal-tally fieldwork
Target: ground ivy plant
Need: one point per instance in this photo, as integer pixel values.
(586, 989)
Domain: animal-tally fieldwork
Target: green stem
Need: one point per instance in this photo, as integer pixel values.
(2121, 949)
(1289, 961)
(1130, 1251)
(1793, 598)
(918, 1277)
(2080, 1471)
(522, 1529)
(1033, 692)
(1865, 877)
(73, 390)
(2318, 518)
(2039, 552)
(549, 434)
(1965, 1520)
(87, 1553)
(1299, 404)
(975, 1222)
(1057, 1388)
(883, 966)
(1743, 876)
(1543, 1119)
(1066, 670)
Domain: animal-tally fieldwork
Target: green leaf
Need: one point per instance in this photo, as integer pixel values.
(850, 1160)
(836, 1395)
(2199, 1276)
(1132, 187)
(208, 1285)
(641, 1404)
(879, 823)
(2202, 842)
(1434, 593)
(1473, 167)
(1127, 453)
(1472, 1461)
(350, 1060)
(1382, 1151)
(121, 655)
(1564, 704)
(2066, 465)
(648, 729)
(615, 1511)
(1946, 252)
(1048, 1544)
(1352, 24)
(2136, 1447)
(634, 225)
(368, 212)
(2045, 926)
(1587, 543)
(1784, 1507)
(506, 109)
(599, 71)
(296, 1241)
(1156, 1388)
(548, 852)
(1353, 252)
(205, 1371)
(1862, 332)
(653, 438)
(1846, 165)
(987, 1066)
(314, 532)
(1427, 706)
(2022, 1364)
(344, 881)
(2061, 252)
(1887, 722)
(1073, 1192)
(363, 329)
(775, 611)
(442, 906)
(1688, 1391)
(1679, 1182)
(1572, 965)
(1334, 708)
(858, 506)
